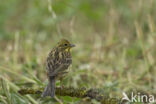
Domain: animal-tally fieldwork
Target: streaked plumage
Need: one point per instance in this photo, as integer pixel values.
(58, 61)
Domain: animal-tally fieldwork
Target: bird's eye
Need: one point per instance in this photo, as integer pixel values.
(65, 44)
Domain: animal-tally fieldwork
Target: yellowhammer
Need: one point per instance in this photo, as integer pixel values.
(58, 61)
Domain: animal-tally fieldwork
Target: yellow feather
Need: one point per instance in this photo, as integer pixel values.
(68, 49)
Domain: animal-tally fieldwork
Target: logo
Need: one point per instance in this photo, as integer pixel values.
(138, 98)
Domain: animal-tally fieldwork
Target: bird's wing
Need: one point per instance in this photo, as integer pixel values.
(54, 63)
(55, 72)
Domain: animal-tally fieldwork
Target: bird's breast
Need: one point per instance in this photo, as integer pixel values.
(66, 58)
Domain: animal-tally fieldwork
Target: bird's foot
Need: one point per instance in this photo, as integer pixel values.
(62, 86)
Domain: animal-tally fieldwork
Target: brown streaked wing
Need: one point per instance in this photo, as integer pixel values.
(52, 62)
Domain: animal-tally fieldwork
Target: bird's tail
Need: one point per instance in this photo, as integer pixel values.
(50, 88)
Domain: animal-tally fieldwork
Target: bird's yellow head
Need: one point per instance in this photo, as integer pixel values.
(65, 45)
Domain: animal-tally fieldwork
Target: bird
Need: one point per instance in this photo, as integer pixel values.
(57, 63)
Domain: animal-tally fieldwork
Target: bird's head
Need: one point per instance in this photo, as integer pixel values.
(65, 45)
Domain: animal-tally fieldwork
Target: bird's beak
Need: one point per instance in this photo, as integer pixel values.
(72, 45)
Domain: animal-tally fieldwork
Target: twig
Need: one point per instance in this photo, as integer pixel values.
(73, 92)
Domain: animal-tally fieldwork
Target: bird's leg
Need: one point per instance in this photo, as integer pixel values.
(61, 83)
(61, 78)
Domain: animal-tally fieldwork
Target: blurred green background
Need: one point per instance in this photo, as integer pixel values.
(115, 46)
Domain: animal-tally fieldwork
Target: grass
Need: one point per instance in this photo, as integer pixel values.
(115, 46)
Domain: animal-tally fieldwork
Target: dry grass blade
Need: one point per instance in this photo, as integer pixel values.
(5, 90)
